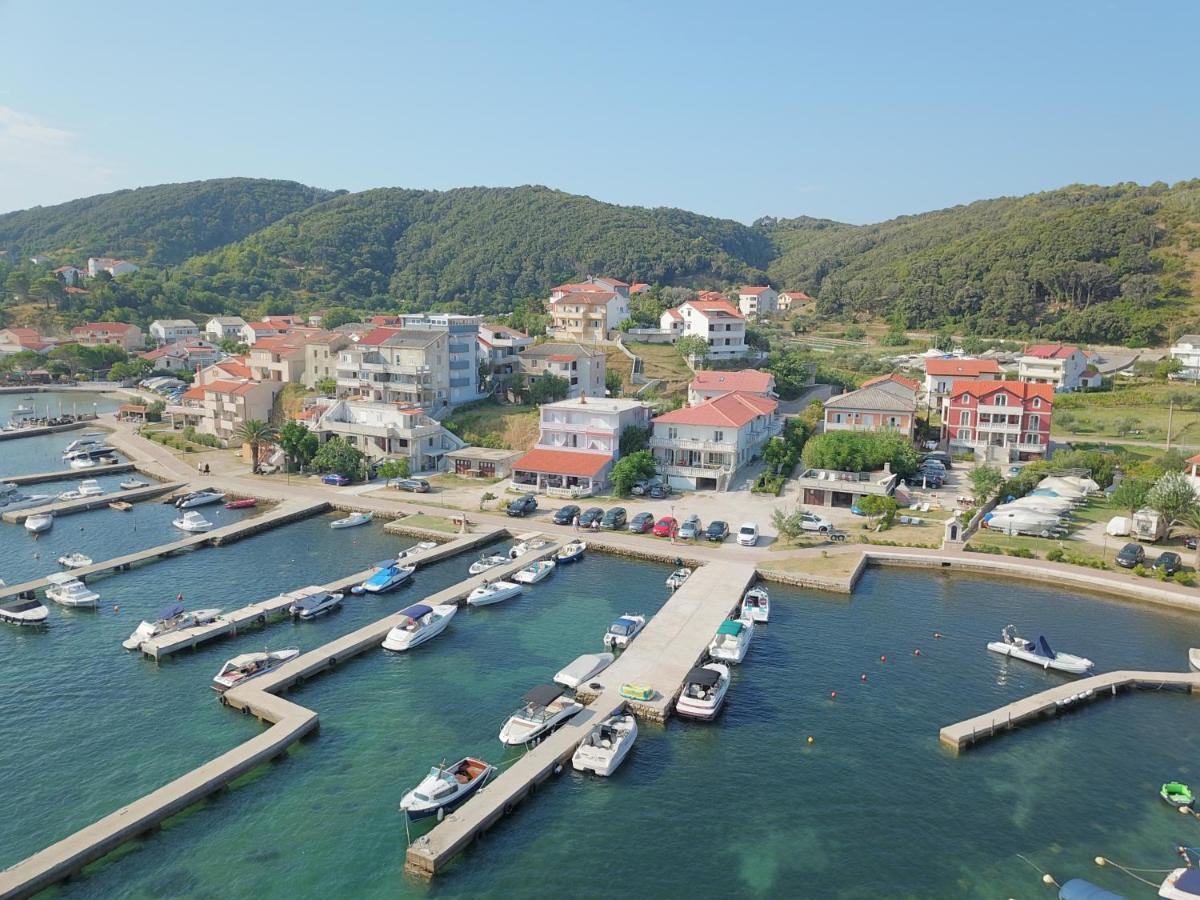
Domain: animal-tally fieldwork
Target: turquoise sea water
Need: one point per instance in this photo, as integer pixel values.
(743, 806)
(57, 403)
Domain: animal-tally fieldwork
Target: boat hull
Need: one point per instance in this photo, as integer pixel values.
(1194, 659)
(494, 596)
(570, 555)
(399, 640)
(39, 524)
(34, 616)
(516, 734)
(588, 758)
(419, 810)
(201, 500)
(192, 528)
(1072, 666)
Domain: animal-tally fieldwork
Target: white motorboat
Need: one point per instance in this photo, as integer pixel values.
(133, 484)
(199, 498)
(15, 500)
(1194, 659)
(69, 495)
(388, 576)
(732, 640)
(1183, 883)
(40, 522)
(23, 612)
(756, 605)
(523, 547)
(534, 572)
(316, 604)
(493, 592)
(424, 546)
(90, 487)
(606, 746)
(171, 618)
(621, 632)
(250, 665)
(1038, 653)
(193, 522)
(24, 407)
(703, 692)
(678, 577)
(67, 590)
(484, 563)
(74, 560)
(446, 788)
(570, 552)
(85, 441)
(82, 462)
(543, 709)
(358, 518)
(584, 668)
(421, 623)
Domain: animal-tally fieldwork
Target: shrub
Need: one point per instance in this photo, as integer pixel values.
(1160, 574)
(1023, 552)
(1055, 555)
(1187, 579)
(1139, 570)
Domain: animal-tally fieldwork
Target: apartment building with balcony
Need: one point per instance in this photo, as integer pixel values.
(940, 375)
(222, 328)
(321, 356)
(384, 431)
(499, 346)
(887, 403)
(169, 331)
(1000, 421)
(704, 446)
(279, 359)
(708, 385)
(120, 334)
(219, 407)
(1062, 366)
(407, 366)
(713, 318)
(758, 300)
(589, 310)
(583, 369)
(462, 350)
(1187, 351)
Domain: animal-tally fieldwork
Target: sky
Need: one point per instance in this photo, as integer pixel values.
(856, 111)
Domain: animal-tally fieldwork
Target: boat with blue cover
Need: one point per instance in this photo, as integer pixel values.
(389, 576)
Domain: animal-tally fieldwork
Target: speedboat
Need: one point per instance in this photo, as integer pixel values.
(756, 605)
(82, 462)
(74, 560)
(390, 575)
(585, 667)
(358, 518)
(570, 552)
(24, 407)
(1183, 883)
(133, 484)
(523, 547)
(244, 503)
(193, 522)
(606, 746)
(316, 604)
(732, 640)
(424, 546)
(69, 495)
(86, 440)
(678, 577)
(23, 612)
(420, 623)
(493, 592)
(446, 788)
(199, 498)
(66, 589)
(91, 451)
(543, 709)
(250, 665)
(484, 563)
(90, 487)
(1039, 653)
(624, 630)
(1177, 794)
(1194, 659)
(535, 572)
(703, 692)
(169, 619)
(36, 524)
(14, 500)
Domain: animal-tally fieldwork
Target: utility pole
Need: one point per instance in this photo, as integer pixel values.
(1170, 416)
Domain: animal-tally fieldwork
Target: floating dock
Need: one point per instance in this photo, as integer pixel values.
(1063, 698)
(83, 504)
(65, 474)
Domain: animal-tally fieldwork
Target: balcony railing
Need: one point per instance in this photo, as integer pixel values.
(692, 471)
(579, 427)
(690, 444)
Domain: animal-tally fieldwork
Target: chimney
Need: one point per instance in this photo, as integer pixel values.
(887, 468)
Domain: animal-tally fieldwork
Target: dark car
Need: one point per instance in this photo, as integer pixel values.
(641, 523)
(659, 490)
(1170, 562)
(716, 531)
(1131, 555)
(522, 506)
(614, 518)
(590, 515)
(336, 479)
(565, 515)
(941, 456)
(416, 485)
(1190, 541)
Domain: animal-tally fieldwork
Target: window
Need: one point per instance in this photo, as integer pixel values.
(1035, 423)
(964, 418)
(672, 434)
(718, 436)
(1037, 402)
(964, 434)
(1001, 400)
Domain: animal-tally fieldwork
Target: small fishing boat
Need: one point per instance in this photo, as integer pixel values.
(193, 522)
(420, 623)
(542, 710)
(493, 592)
(1194, 659)
(582, 669)
(484, 563)
(314, 605)
(424, 546)
(74, 560)
(358, 518)
(67, 590)
(446, 788)
(756, 605)
(133, 484)
(244, 503)
(170, 619)
(606, 746)
(120, 506)
(523, 547)
(570, 552)
(632, 690)
(534, 572)
(199, 498)
(621, 632)
(250, 665)
(389, 576)
(1040, 654)
(703, 692)
(90, 487)
(107, 460)
(23, 612)
(40, 522)
(1176, 793)
(678, 577)
(24, 407)
(732, 640)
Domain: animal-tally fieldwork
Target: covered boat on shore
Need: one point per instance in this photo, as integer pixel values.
(1039, 653)
(445, 788)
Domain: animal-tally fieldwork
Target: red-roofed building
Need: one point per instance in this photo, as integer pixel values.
(69, 275)
(999, 420)
(887, 403)
(120, 334)
(189, 355)
(14, 340)
(759, 300)
(713, 318)
(703, 446)
(789, 299)
(892, 378)
(708, 385)
(388, 321)
(591, 284)
(588, 315)
(218, 407)
(940, 374)
(638, 287)
(255, 331)
(1060, 365)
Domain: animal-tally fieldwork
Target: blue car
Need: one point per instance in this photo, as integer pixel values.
(335, 479)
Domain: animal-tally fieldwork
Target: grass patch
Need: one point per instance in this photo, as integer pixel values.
(662, 361)
(433, 523)
(488, 423)
(835, 564)
(1141, 406)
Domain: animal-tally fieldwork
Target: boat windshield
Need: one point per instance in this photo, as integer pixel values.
(533, 712)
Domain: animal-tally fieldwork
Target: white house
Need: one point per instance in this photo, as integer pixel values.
(1187, 351)
(788, 299)
(222, 328)
(69, 275)
(704, 446)
(713, 318)
(253, 331)
(499, 346)
(114, 267)
(759, 300)
(941, 373)
(1061, 365)
(583, 369)
(463, 349)
(168, 331)
(385, 431)
(188, 355)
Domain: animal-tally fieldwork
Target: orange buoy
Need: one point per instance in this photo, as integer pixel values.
(883, 659)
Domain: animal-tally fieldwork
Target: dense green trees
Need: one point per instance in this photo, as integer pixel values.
(298, 444)
(861, 451)
(340, 456)
(629, 470)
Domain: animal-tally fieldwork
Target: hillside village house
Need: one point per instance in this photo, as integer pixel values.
(384, 431)
(940, 374)
(255, 331)
(588, 310)
(704, 446)
(93, 334)
(713, 318)
(386, 321)
(1060, 365)
(583, 369)
(408, 366)
(277, 359)
(578, 442)
(887, 403)
(114, 267)
(1000, 421)
(183, 355)
(834, 488)
(219, 407)
(1187, 351)
(321, 356)
(231, 368)
(760, 300)
(499, 346)
(168, 331)
(14, 340)
(638, 287)
(69, 275)
(225, 328)
(594, 284)
(708, 385)
(789, 299)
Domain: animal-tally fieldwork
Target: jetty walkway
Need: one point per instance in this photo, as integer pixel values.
(65, 474)
(1062, 698)
(39, 430)
(83, 504)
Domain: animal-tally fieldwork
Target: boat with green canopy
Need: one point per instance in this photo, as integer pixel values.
(1176, 793)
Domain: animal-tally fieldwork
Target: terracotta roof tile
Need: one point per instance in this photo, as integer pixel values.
(734, 409)
(964, 368)
(562, 462)
(1020, 389)
(751, 380)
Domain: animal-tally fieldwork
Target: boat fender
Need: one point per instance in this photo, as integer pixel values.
(558, 769)
(508, 808)
(221, 699)
(441, 814)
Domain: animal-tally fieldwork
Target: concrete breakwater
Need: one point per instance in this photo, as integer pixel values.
(66, 507)
(69, 474)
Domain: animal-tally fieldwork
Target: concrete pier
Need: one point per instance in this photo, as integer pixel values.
(65, 474)
(66, 507)
(45, 429)
(1060, 699)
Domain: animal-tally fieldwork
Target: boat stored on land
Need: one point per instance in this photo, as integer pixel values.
(582, 669)
(543, 709)
(678, 577)
(756, 605)
(493, 592)
(703, 692)
(621, 632)
(199, 498)
(358, 518)
(390, 575)
(38, 523)
(534, 572)
(1039, 653)
(446, 788)
(74, 560)
(67, 590)
(421, 623)
(484, 563)
(732, 640)
(315, 604)
(169, 619)
(23, 612)
(193, 522)
(606, 746)
(244, 503)
(250, 665)
(570, 552)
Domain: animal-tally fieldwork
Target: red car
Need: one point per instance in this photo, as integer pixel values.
(666, 526)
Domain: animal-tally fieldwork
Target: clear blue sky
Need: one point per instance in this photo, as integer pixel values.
(854, 111)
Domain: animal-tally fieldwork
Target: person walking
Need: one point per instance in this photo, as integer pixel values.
(575, 522)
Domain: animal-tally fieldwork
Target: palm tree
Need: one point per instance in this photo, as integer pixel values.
(255, 432)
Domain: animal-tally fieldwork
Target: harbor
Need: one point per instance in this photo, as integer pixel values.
(84, 504)
(70, 474)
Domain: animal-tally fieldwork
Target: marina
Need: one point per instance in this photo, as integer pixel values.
(66, 507)
(69, 474)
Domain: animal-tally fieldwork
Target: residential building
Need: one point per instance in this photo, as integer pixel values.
(321, 356)
(231, 368)
(591, 284)
(582, 368)
(384, 431)
(1060, 365)
(578, 442)
(14, 340)
(704, 446)
(225, 328)
(1187, 351)
(285, 322)
(940, 374)
(278, 358)
(168, 331)
(220, 407)
(999, 420)
(792, 299)
(463, 349)
(254, 331)
(482, 462)
(638, 287)
(127, 337)
(710, 384)
(408, 366)
(833, 488)
(713, 318)
(114, 267)
(69, 275)
(760, 300)
(888, 403)
(387, 321)
(499, 346)
(190, 356)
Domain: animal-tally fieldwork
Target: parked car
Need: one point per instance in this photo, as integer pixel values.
(1131, 555)
(590, 515)
(614, 518)
(565, 515)
(716, 531)
(659, 490)
(416, 485)
(812, 522)
(941, 456)
(1170, 562)
(335, 479)
(1190, 541)
(641, 487)
(641, 523)
(522, 506)
(665, 526)
(747, 534)
(691, 528)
